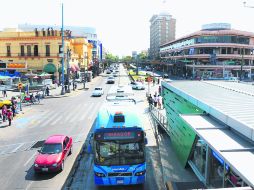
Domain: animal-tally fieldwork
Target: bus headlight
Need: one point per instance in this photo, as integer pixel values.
(99, 174)
(140, 173)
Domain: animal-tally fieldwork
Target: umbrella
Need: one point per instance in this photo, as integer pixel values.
(36, 77)
(43, 74)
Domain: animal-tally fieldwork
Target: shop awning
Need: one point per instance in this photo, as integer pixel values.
(73, 68)
(49, 68)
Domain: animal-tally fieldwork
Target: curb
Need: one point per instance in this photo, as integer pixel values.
(75, 165)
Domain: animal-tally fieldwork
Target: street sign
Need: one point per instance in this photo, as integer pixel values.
(20, 86)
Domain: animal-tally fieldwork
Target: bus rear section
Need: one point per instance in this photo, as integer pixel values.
(119, 156)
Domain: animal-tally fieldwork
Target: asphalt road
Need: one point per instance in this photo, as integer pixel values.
(73, 116)
(83, 178)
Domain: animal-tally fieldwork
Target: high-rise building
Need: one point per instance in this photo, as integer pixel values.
(162, 30)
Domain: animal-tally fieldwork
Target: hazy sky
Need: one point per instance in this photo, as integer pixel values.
(123, 25)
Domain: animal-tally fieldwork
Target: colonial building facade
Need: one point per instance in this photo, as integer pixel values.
(41, 50)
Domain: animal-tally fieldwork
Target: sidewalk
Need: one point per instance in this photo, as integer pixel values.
(174, 175)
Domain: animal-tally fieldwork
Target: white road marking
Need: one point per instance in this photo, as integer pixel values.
(56, 120)
(48, 120)
(85, 113)
(30, 159)
(14, 150)
(95, 110)
(29, 185)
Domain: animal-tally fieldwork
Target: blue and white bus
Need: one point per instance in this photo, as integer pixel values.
(119, 147)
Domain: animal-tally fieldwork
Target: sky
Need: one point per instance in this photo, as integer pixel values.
(123, 25)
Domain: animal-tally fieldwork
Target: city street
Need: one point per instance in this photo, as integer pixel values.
(73, 116)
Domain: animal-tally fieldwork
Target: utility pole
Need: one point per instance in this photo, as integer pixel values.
(68, 70)
(241, 72)
(62, 51)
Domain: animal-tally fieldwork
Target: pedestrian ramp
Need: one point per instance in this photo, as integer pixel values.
(31, 145)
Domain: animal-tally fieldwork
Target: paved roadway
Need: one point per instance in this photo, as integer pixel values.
(83, 177)
(72, 116)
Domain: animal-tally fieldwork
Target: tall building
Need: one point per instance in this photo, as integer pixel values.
(162, 30)
(216, 51)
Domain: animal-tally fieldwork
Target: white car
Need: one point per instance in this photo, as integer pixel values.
(138, 86)
(98, 91)
(110, 80)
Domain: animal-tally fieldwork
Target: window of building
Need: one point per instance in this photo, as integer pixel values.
(59, 49)
(29, 53)
(47, 50)
(36, 50)
(223, 50)
(22, 50)
(8, 48)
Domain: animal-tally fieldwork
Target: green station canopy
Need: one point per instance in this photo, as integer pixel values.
(49, 68)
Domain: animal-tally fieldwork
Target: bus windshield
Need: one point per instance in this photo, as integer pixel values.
(119, 153)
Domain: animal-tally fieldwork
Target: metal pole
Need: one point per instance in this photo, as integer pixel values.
(63, 91)
(68, 70)
(20, 97)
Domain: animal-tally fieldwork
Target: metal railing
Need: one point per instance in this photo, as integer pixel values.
(159, 117)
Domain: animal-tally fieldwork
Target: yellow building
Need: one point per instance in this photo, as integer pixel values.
(41, 50)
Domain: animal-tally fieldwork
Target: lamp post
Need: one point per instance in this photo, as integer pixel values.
(86, 68)
(62, 51)
(68, 70)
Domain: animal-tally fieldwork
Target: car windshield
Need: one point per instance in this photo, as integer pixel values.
(51, 148)
(119, 153)
(97, 89)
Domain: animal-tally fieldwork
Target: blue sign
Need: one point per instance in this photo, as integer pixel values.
(220, 159)
(93, 42)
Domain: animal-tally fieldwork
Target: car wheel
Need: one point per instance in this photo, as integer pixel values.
(62, 166)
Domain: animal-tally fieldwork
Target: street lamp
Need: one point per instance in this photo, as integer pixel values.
(62, 51)
(68, 70)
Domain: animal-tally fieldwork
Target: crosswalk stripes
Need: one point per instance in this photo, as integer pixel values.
(94, 111)
(26, 146)
(87, 109)
(49, 119)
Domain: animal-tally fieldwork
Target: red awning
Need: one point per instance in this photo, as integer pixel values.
(73, 68)
(77, 67)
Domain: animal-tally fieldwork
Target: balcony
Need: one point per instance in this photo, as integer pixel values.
(28, 55)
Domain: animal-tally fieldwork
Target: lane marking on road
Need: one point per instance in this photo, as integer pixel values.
(29, 185)
(95, 110)
(48, 120)
(30, 159)
(56, 120)
(14, 150)
(86, 111)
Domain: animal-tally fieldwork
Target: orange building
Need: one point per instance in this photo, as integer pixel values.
(40, 51)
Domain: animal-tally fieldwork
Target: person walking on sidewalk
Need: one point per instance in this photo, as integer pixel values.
(4, 93)
(155, 100)
(47, 91)
(159, 101)
(4, 112)
(9, 116)
(150, 100)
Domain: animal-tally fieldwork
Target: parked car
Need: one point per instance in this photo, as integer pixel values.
(98, 91)
(53, 153)
(234, 79)
(110, 80)
(108, 72)
(114, 74)
(138, 86)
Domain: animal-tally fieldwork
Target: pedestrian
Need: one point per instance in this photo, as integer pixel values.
(13, 109)
(47, 91)
(150, 99)
(4, 93)
(9, 116)
(38, 96)
(4, 112)
(32, 98)
(159, 101)
(73, 85)
(155, 100)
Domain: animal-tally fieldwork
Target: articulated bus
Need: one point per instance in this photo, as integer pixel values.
(119, 147)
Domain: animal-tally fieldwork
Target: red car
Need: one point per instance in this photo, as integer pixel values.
(53, 153)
